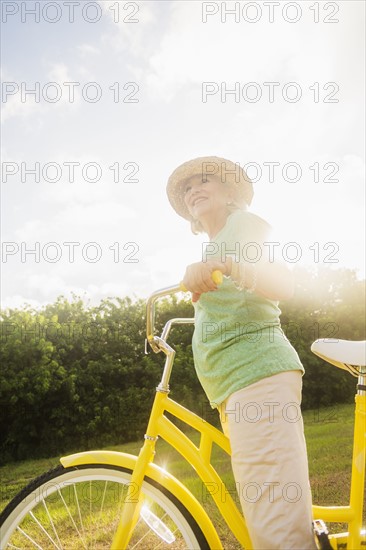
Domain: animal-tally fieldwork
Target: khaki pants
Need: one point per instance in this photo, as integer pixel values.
(269, 460)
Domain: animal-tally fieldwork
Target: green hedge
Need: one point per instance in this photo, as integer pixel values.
(75, 376)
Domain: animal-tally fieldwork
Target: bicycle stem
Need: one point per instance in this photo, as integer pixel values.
(217, 277)
(150, 314)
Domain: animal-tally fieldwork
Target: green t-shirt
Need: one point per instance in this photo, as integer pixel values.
(238, 338)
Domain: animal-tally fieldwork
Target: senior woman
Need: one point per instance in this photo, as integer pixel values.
(246, 365)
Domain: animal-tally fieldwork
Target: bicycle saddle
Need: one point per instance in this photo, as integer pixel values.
(345, 354)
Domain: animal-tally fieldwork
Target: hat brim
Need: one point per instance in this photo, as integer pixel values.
(230, 173)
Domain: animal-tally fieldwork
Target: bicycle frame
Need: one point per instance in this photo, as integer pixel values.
(353, 513)
(200, 458)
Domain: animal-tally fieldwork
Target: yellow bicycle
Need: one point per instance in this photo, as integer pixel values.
(104, 499)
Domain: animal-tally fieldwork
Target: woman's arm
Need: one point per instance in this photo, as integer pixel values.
(272, 280)
(198, 276)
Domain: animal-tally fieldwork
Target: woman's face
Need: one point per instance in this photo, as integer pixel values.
(206, 199)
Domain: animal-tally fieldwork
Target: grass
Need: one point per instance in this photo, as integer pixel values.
(329, 436)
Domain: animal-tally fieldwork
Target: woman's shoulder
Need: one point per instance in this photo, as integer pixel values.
(247, 221)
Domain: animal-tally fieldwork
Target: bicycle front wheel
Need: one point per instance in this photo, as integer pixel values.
(79, 507)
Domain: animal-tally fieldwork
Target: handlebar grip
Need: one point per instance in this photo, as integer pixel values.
(217, 278)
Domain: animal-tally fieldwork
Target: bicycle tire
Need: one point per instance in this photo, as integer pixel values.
(79, 507)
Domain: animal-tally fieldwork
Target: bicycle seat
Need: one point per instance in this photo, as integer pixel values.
(345, 354)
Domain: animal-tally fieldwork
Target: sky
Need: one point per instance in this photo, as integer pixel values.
(101, 101)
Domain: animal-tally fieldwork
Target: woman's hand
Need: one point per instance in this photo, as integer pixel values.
(198, 276)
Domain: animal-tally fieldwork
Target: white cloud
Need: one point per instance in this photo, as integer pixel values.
(169, 53)
(15, 107)
(88, 50)
(93, 221)
(50, 94)
(131, 25)
(45, 284)
(191, 52)
(59, 72)
(17, 301)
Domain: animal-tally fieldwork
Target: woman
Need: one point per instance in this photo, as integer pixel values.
(246, 365)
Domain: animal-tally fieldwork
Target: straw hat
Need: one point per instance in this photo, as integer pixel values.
(229, 173)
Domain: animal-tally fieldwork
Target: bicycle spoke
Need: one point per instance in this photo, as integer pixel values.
(72, 519)
(104, 493)
(120, 504)
(78, 507)
(162, 542)
(141, 539)
(43, 530)
(52, 524)
(29, 538)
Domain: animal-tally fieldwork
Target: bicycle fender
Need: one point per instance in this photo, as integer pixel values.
(169, 482)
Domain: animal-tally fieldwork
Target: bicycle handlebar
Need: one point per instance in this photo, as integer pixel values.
(153, 340)
(216, 275)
